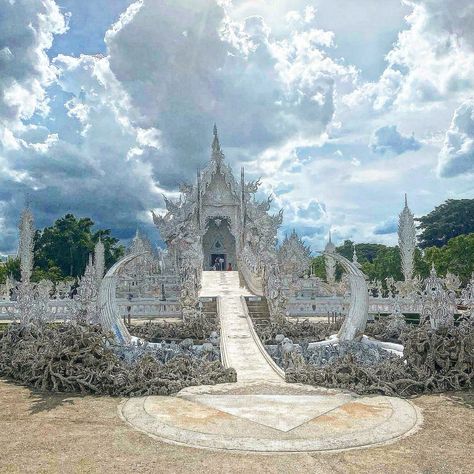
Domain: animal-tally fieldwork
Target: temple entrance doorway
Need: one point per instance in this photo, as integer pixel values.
(218, 243)
(218, 261)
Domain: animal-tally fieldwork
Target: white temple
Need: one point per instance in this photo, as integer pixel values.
(218, 213)
(219, 219)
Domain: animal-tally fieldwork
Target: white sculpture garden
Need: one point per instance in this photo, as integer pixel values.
(237, 324)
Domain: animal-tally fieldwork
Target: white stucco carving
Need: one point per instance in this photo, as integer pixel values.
(26, 244)
(407, 241)
(330, 263)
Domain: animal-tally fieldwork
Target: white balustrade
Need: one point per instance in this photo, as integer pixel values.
(139, 308)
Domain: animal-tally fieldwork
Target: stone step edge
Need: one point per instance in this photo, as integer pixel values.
(273, 365)
(223, 335)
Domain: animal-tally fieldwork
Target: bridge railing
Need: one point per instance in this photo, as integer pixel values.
(298, 307)
(253, 281)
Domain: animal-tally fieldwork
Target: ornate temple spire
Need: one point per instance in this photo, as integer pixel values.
(87, 292)
(198, 198)
(407, 240)
(26, 244)
(99, 261)
(217, 154)
(354, 256)
(294, 255)
(137, 246)
(329, 262)
(330, 247)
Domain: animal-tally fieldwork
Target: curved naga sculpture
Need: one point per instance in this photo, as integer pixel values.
(356, 320)
(109, 316)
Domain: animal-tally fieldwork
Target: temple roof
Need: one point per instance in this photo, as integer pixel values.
(217, 165)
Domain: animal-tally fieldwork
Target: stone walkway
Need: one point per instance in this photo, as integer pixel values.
(261, 413)
(241, 350)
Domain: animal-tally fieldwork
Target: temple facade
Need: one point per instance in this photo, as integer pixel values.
(218, 224)
(221, 211)
(217, 221)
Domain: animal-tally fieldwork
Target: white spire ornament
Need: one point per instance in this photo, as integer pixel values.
(26, 244)
(26, 290)
(99, 261)
(329, 262)
(217, 154)
(407, 241)
(355, 259)
(87, 292)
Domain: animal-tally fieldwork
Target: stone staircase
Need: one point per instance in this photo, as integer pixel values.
(258, 310)
(209, 309)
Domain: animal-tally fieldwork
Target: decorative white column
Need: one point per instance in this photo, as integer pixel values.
(25, 298)
(99, 261)
(26, 245)
(407, 241)
(354, 255)
(329, 262)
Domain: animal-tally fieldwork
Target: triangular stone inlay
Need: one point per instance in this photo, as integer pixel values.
(281, 412)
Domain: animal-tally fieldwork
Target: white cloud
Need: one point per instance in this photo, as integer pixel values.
(389, 139)
(432, 59)
(27, 28)
(457, 155)
(103, 136)
(279, 90)
(355, 161)
(93, 165)
(389, 226)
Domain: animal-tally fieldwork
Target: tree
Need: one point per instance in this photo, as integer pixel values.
(63, 249)
(53, 273)
(10, 267)
(457, 257)
(386, 264)
(318, 267)
(365, 252)
(450, 219)
(422, 267)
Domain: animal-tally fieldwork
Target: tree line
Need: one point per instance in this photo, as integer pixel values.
(445, 240)
(61, 251)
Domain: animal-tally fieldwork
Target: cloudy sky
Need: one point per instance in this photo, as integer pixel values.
(340, 106)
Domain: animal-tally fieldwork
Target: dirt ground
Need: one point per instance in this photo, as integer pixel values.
(71, 434)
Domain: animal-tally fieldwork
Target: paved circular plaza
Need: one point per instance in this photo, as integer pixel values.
(272, 417)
